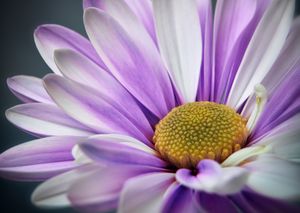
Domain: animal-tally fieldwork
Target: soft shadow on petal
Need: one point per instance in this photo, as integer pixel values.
(45, 120)
(133, 60)
(180, 43)
(79, 68)
(28, 89)
(144, 193)
(38, 159)
(50, 37)
(100, 191)
(97, 111)
(262, 51)
(274, 177)
(110, 152)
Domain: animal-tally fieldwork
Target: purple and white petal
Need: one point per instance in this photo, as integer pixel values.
(262, 51)
(79, 68)
(214, 203)
(131, 14)
(109, 152)
(212, 178)
(53, 192)
(50, 37)
(180, 43)
(100, 190)
(95, 110)
(144, 193)
(234, 24)
(274, 177)
(45, 120)
(28, 89)
(133, 59)
(205, 79)
(38, 159)
(179, 199)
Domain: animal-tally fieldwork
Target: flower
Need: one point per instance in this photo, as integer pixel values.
(165, 109)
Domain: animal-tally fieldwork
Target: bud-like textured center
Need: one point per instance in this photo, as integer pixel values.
(199, 130)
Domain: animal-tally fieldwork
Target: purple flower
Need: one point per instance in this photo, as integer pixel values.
(165, 109)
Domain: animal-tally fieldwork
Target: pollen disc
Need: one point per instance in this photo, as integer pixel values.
(199, 130)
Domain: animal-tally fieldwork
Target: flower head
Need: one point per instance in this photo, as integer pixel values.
(164, 109)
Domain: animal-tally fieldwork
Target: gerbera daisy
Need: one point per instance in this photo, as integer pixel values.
(165, 109)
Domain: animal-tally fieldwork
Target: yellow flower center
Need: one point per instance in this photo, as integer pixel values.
(199, 130)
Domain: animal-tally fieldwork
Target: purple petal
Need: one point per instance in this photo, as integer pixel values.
(235, 22)
(28, 89)
(262, 51)
(250, 202)
(206, 19)
(179, 199)
(79, 68)
(45, 120)
(100, 190)
(213, 203)
(133, 59)
(123, 13)
(97, 111)
(38, 159)
(50, 37)
(99, 149)
(212, 178)
(144, 193)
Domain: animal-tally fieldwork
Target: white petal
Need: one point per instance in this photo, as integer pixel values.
(179, 38)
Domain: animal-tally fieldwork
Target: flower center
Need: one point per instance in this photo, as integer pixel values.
(199, 130)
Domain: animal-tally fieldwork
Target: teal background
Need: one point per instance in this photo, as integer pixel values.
(18, 19)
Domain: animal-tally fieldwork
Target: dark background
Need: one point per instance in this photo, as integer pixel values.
(18, 19)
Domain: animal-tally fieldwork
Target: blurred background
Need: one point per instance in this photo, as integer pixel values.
(18, 19)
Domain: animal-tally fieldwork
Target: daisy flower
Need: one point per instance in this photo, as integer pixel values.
(168, 107)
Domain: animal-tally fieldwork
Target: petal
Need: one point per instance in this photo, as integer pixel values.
(100, 190)
(95, 110)
(133, 59)
(99, 149)
(80, 69)
(283, 104)
(206, 21)
(263, 49)
(45, 120)
(250, 202)
(283, 140)
(213, 203)
(179, 39)
(38, 159)
(53, 192)
(28, 89)
(50, 37)
(214, 179)
(130, 16)
(179, 199)
(274, 177)
(148, 193)
(235, 22)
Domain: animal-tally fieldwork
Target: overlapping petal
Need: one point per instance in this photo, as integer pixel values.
(39, 159)
(50, 37)
(136, 63)
(28, 89)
